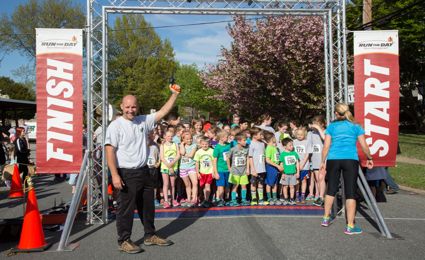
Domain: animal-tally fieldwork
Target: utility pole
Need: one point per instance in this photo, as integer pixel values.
(367, 13)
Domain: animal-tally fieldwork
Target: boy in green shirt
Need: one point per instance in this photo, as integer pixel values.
(221, 167)
(291, 170)
(273, 168)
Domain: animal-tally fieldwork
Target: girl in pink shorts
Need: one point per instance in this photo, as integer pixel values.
(188, 168)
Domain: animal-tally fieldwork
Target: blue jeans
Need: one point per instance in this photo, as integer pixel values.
(390, 182)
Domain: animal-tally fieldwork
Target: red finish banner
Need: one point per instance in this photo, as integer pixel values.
(59, 92)
(376, 93)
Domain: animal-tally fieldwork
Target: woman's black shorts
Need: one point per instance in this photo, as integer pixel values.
(350, 172)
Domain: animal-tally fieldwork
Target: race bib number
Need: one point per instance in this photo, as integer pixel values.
(170, 159)
(316, 148)
(206, 164)
(276, 157)
(185, 160)
(240, 161)
(262, 158)
(151, 162)
(226, 155)
(290, 160)
(300, 148)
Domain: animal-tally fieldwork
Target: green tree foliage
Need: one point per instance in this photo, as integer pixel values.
(195, 94)
(406, 16)
(17, 32)
(140, 63)
(17, 91)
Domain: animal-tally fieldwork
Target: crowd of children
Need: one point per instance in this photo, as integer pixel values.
(219, 165)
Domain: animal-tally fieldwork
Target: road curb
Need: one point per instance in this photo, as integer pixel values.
(422, 192)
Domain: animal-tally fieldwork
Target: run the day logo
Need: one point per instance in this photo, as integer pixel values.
(376, 93)
(59, 100)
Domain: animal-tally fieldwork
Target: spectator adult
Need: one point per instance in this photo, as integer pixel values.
(22, 151)
(339, 155)
(126, 146)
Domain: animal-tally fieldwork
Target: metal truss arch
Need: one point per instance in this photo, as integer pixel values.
(332, 12)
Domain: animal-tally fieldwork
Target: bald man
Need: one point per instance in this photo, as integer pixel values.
(126, 146)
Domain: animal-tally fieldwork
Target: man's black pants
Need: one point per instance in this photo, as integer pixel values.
(138, 192)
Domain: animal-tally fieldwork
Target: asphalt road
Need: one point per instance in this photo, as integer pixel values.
(240, 237)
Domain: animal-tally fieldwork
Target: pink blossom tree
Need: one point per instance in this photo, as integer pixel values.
(274, 65)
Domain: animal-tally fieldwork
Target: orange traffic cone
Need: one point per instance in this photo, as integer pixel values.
(16, 190)
(32, 235)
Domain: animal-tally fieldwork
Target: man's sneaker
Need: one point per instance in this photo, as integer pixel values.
(285, 202)
(166, 205)
(319, 202)
(129, 247)
(156, 240)
(310, 197)
(282, 200)
(277, 202)
(353, 230)
(245, 203)
(271, 202)
(220, 203)
(302, 199)
(326, 221)
(254, 203)
(233, 203)
(292, 202)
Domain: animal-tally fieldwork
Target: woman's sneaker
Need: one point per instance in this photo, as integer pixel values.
(254, 202)
(352, 230)
(326, 221)
(277, 202)
(176, 203)
(292, 202)
(271, 202)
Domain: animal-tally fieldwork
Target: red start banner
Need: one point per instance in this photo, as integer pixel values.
(59, 143)
(376, 93)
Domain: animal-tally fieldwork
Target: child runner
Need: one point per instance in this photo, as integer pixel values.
(153, 164)
(169, 155)
(188, 169)
(282, 133)
(212, 135)
(272, 168)
(197, 131)
(204, 169)
(316, 137)
(302, 147)
(291, 169)
(239, 170)
(221, 167)
(257, 166)
(179, 131)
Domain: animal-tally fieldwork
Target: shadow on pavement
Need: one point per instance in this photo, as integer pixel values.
(186, 218)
